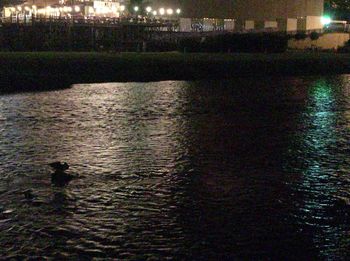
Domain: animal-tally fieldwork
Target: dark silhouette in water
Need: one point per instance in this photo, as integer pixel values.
(60, 178)
(58, 166)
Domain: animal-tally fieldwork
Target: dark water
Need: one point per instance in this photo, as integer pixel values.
(249, 168)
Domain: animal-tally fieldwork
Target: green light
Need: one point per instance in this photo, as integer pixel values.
(325, 20)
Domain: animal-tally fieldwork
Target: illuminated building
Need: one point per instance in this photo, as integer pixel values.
(67, 8)
(193, 15)
(286, 15)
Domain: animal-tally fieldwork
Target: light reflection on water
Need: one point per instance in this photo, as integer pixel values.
(325, 181)
(221, 169)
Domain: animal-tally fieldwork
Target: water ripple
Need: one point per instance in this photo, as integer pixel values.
(247, 169)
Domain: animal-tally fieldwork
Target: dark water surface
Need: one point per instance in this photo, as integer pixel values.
(249, 168)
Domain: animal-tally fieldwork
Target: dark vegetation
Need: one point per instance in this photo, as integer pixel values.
(345, 48)
(64, 38)
(39, 38)
(338, 9)
(50, 70)
(300, 36)
(251, 43)
(314, 36)
(55, 37)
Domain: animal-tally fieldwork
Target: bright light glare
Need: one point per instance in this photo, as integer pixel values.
(178, 11)
(136, 8)
(326, 20)
(76, 8)
(169, 11)
(122, 8)
(148, 9)
(154, 12)
(161, 11)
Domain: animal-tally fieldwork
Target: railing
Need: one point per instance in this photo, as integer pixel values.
(161, 24)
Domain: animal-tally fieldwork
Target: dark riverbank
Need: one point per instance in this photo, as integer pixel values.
(49, 70)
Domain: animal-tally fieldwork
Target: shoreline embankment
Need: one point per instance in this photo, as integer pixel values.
(20, 71)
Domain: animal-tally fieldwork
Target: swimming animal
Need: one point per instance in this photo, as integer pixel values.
(59, 177)
(58, 166)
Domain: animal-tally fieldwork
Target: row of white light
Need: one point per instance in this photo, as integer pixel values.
(68, 9)
(161, 11)
(48, 9)
(64, 9)
(105, 10)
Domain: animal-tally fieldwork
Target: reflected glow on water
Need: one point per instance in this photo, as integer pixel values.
(325, 177)
(221, 169)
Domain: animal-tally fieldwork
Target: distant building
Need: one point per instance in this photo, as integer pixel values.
(195, 15)
(246, 9)
(290, 15)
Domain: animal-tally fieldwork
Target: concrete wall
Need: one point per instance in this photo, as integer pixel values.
(309, 23)
(249, 25)
(326, 41)
(270, 24)
(287, 24)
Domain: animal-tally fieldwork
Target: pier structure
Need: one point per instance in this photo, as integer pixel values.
(80, 34)
(85, 25)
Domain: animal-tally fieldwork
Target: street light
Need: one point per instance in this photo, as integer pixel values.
(148, 9)
(178, 11)
(122, 8)
(161, 11)
(169, 11)
(76, 8)
(326, 20)
(154, 12)
(136, 8)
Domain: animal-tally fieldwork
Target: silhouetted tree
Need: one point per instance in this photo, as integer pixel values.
(338, 9)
